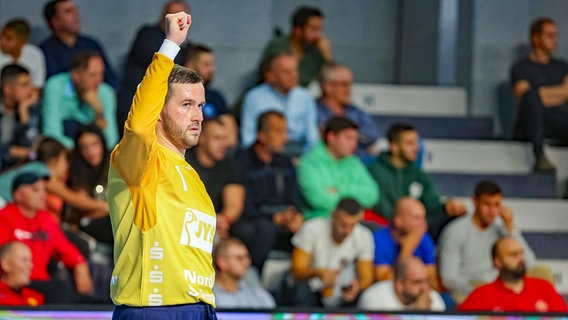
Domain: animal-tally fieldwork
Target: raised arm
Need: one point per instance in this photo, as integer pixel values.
(133, 153)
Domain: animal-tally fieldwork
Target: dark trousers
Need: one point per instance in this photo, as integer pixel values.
(535, 121)
(198, 311)
(55, 291)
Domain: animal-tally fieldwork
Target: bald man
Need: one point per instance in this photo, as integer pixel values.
(409, 290)
(15, 271)
(405, 237)
(513, 291)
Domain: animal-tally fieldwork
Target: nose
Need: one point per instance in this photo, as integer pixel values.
(197, 115)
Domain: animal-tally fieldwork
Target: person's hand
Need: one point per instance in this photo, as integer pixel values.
(20, 152)
(332, 190)
(506, 214)
(223, 226)
(424, 301)
(296, 222)
(177, 25)
(324, 47)
(455, 208)
(350, 293)
(25, 105)
(279, 218)
(91, 98)
(410, 241)
(328, 277)
(83, 281)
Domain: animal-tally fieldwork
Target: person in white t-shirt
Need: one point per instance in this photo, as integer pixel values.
(409, 290)
(332, 259)
(14, 48)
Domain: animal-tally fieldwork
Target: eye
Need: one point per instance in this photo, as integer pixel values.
(201, 105)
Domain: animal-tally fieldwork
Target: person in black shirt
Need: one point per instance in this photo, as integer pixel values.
(272, 202)
(540, 83)
(219, 173)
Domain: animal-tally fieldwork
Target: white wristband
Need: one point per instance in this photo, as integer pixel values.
(169, 49)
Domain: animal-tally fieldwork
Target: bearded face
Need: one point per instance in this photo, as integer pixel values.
(183, 137)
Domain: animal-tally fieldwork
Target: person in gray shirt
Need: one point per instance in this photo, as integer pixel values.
(232, 262)
(464, 248)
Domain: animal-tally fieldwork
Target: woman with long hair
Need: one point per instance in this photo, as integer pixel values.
(88, 172)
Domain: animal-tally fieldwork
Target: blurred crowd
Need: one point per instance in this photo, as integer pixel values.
(292, 177)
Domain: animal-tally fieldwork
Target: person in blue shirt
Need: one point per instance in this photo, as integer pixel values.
(335, 83)
(281, 92)
(65, 42)
(79, 97)
(406, 236)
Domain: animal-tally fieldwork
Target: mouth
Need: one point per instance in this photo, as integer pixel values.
(194, 129)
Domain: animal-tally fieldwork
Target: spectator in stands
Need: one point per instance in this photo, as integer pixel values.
(202, 59)
(52, 161)
(306, 42)
(406, 236)
(273, 205)
(148, 40)
(232, 262)
(332, 260)
(65, 42)
(79, 97)
(26, 220)
(409, 290)
(540, 83)
(15, 49)
(88, 174)
(331, 171)
(398, 176)
(335, 84)
(220, 174)
(281, 92)
(19, 125)
(513, 291)
(465, 244)
(15, 270)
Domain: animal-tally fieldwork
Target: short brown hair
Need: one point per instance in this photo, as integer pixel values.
(82, 58)
(487, 187)
(20, 27)
(538, 24)
(337, 124)
(182, 75)
(194, 50)
(263, 121)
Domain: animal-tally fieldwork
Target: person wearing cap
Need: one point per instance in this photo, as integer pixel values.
(26, 220)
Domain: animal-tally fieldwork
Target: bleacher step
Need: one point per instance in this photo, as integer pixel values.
(473, 128)
(477, 156)
(529, 185)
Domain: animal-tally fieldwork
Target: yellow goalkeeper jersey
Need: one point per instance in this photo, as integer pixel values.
(162, 217)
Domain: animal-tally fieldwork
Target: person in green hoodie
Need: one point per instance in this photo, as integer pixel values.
(398, 176)
(331, 171)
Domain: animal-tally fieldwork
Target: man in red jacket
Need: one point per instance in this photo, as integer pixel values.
(15, 270)
(27, 221)
(513, 291)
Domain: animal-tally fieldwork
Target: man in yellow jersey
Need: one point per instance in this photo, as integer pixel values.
(162, 217)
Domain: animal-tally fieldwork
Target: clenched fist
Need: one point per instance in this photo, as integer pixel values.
(177, 25)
